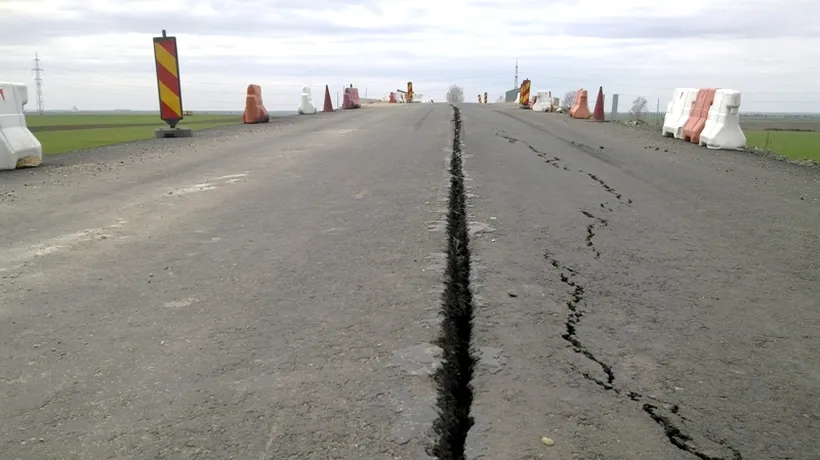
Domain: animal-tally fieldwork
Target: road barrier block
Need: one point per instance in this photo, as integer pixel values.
(722, 128)
(697, 116)
(543, 99)
(18, 146)
(306, 107)
(580, 108)
(677, 112)
(255, 111)
(351, 98)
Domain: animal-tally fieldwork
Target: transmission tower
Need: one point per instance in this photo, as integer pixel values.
(38, 83)
(515, 85)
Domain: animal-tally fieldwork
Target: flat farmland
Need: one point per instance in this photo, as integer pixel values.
(795, 138)
(798, 139)
(67, 133)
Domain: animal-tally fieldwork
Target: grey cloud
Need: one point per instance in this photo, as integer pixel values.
(464, 71)
(742, 21)
(235, 21)
(687, 29)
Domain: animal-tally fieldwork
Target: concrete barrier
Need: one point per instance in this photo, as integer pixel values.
(722, 128)
(306, 107)
(677, 112)
(18, 146)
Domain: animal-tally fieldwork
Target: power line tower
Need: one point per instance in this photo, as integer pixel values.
(515, 85)
(38, 83)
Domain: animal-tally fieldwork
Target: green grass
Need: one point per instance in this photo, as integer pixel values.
(35, 121)
(792, 144)
(63, 141)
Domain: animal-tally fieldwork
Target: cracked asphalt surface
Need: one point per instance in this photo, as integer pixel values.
(272, 292)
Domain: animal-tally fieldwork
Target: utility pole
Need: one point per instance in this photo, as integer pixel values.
(515, 85)
(38, 82)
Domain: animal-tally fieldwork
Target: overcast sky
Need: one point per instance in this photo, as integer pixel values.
(97, 54)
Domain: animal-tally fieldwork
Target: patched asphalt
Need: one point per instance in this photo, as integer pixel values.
(273, 292)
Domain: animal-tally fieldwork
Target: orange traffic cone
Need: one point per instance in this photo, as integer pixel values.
(598, 113)
(328, 103)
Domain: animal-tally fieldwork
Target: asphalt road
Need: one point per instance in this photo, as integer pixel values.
(272, 292)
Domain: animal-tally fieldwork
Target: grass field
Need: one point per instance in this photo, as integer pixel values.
(798, 139)
(67, 133)
(792, 144)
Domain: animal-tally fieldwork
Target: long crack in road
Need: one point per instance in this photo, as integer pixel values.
(282, 293)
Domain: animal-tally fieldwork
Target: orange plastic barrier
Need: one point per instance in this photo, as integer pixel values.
(574, 102)
(255, 111)
(351, 98)
(697, 117)
(580, 108)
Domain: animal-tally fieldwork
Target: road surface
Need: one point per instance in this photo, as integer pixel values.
(273, 292)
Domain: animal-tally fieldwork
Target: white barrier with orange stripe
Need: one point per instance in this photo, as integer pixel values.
(705, 116)
(18, 146)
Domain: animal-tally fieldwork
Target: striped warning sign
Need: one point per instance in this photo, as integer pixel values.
(525, 93)
(168, 83)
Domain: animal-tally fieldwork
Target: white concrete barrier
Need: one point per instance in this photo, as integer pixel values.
(18, 146)
(306, 107)
(542, 101)
(722, 129)
(677, 112)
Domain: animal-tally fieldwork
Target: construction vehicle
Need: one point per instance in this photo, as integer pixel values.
(407, 98)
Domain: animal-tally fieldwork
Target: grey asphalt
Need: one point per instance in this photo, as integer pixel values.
(271, 292)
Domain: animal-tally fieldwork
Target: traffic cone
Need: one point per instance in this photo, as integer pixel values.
(328, 103)
(598, 113)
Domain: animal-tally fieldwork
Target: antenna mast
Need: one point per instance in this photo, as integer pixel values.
(38, 81)
(516, 73)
